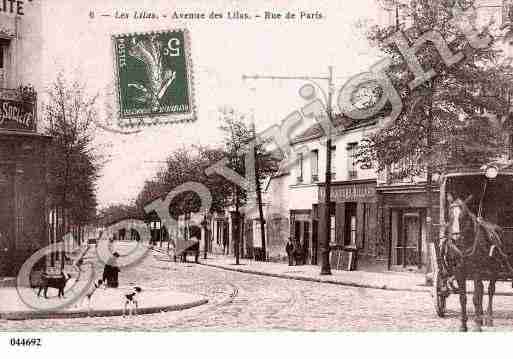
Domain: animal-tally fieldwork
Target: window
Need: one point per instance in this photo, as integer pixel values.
(315, 165)
(332, 230)
(510, 146)
(333, 161)
(351, 159)
(4, 46)
(297, 231)
(350, 225)
(306, 232)
(300, 168)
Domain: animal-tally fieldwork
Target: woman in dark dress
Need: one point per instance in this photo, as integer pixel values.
(111, 272)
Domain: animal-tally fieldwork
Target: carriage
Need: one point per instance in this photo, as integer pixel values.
(486, 194)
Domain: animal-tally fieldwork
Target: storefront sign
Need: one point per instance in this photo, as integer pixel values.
(15, 7)
(350, 192)
(17, 115)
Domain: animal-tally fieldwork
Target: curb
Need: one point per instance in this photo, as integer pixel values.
(329, 281)
(8, 282)
(308, 279)
(25, 315)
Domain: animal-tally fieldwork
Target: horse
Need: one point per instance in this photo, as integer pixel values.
(472, 249)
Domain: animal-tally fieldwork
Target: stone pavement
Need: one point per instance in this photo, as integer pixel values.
(105, 302)
(387, 280)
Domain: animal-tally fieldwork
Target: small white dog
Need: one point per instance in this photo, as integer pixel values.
(90, 292)
(131, 301)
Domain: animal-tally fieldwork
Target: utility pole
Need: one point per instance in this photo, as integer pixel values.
(259, 196)
(325, 251)
(236, 217)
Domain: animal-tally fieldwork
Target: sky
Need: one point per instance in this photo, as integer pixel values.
(222, 52)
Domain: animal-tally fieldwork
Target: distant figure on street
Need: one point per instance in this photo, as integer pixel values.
(289, 248)
(111, 272)
(298, 253)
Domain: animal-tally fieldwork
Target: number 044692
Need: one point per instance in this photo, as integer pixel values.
(25, 342)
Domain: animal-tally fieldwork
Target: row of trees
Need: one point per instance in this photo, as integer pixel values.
(444, 121)
(69, 116)
(189, 164)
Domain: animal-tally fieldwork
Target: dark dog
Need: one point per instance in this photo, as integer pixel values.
(58, 283)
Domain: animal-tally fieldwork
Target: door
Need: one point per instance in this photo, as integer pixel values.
(411, 240)
(315, 242)
(6, 206)
(306, 240)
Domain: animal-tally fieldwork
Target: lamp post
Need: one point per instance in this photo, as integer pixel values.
(325, 251)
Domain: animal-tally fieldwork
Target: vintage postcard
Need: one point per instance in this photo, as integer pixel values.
(242, 166)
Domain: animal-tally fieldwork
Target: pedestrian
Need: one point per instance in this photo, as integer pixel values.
(289, 248)
(111, 272)
(297, 253)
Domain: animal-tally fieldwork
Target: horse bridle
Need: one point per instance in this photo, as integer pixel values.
(490, 229)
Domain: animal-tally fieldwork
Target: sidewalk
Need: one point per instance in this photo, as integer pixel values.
(386, 280)
(108, 302)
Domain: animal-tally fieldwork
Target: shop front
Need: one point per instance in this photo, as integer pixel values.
(404, 226)
(23, 188)
(301, 224)
(353, 218)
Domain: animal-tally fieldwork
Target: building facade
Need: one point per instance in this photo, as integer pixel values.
(23, 159)
(375, 214)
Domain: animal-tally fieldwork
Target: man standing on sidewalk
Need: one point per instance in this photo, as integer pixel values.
(289, 248)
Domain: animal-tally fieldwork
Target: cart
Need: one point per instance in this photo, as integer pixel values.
(491, 190)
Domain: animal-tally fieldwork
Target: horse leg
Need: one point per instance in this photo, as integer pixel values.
(478, 303)
(462, 286)
(489, 314)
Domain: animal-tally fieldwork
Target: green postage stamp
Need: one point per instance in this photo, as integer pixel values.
(154, 77)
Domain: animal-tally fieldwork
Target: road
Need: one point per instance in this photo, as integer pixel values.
(248, 302)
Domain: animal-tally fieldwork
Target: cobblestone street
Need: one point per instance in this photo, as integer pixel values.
(239, 301)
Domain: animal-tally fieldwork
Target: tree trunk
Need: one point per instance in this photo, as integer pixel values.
(260, 207)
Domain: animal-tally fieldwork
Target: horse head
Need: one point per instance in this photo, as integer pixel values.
(458, 214)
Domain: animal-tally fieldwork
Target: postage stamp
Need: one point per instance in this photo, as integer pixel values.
(154, 77)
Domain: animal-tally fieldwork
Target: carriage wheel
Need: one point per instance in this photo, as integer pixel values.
(439, 294)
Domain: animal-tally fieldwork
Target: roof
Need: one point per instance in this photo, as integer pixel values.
(341, 124)
(25, 133)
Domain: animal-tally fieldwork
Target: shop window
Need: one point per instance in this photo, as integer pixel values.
(315, 165)
(350, 225)
(351, 159)
(306, 231)
(332, 229)
(297, 231)
(510, 146)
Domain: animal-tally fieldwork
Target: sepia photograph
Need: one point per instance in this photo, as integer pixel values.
(255, 167)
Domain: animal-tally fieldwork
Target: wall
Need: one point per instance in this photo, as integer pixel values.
(26, 45)
(276, 214)
(340, 165)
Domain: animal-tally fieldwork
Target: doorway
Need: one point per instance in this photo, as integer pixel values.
(407, 237)
(6, 206)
